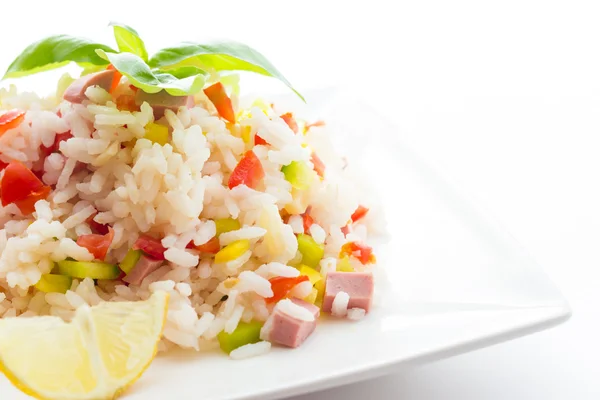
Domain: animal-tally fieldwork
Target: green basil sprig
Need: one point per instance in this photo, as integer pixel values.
(55, 52)
(218, 56)
(180, 70)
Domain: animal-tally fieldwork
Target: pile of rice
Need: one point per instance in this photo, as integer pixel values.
(173, 192)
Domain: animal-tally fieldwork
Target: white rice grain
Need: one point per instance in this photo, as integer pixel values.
(356, 314)
(250, 350)
(290, 308)
(339, 308)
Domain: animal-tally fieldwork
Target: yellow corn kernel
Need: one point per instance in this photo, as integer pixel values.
(312, 297)
(344, 265)
(157, 133)
(313, 276)
(226, 225)
(232, 251)
(230, 282)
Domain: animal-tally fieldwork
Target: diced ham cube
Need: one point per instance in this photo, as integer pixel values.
(290, 331)
(144, 267)
(162, 101)
(75, 93)
(358, 285)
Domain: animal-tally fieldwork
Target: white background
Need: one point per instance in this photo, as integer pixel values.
(505, 95)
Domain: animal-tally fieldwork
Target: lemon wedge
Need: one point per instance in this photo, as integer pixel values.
(105, 349)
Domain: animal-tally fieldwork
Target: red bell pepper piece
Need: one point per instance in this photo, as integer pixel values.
(259, 140)
(318, 165)
(249, 171)
(212, 246)
(10, 120)
(281, 286)
(116, 78)
(218, 96)
(97, 244)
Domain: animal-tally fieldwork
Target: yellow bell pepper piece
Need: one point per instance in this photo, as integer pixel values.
(232, 251)
(344, 265)
(320, 286)
(157, 133)
(313, 276)
(49, 283)
(226, 225)
(312, 297)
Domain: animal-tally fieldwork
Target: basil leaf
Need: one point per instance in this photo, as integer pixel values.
(55, 52)
(129, 40)
(220, 56)
(177, 82)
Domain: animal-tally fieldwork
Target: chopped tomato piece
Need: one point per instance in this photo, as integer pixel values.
(20, 186)
(3, 165)
(259, 140)
(318, 165)
(361, 251)
(281, 286)
(289, 119)
(307, 222)
(151, 246)
(360, 212)
(27, 205)
(11, 119)
(116, 78)
(249, 172)
(218, 96)
(97, 244)
(97, 227)
(55, 147)
(212, 246)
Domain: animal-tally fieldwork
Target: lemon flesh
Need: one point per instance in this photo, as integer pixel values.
(97, 356)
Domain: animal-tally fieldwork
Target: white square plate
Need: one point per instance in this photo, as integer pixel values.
(450, 280)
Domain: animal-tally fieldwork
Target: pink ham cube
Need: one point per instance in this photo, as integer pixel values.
(358, 285)
(290, 331)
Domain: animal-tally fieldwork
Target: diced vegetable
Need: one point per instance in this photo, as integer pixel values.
(307, 221)
(157, 133)
(11, 119)
(88, 269)
(311, 273)
(259, 141)
(318, 165)
(290, 121)
(126, 102)
(50, 283)
(312, 297)
(116, 79)
(316, 123)
(320, 286)
(311, 251)
(20, 186)
(130, 260)
(249, 172)
(218, 96)
(55, 147)
(360, 212)
(343, 265)
(96, 244)
(361, 251)
(245, 333)
(298, 174)
(212, 246)
(97, 227)
(282, 285)
(151, 246)
(226, 225)
(232, 251)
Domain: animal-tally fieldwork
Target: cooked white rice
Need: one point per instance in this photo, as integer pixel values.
(110, 172)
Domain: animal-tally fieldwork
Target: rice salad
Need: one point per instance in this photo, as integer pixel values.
(242, 212)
